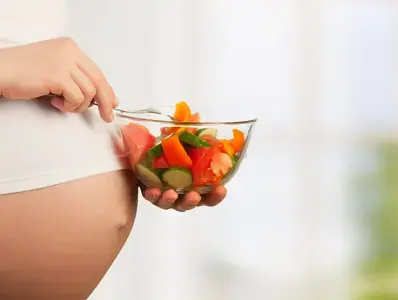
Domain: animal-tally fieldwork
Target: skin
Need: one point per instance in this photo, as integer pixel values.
(58, 242)
(56, 67)
(171, 200)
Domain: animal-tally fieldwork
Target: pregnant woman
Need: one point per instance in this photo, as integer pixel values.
(67, 204)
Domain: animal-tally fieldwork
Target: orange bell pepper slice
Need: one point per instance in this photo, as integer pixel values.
(226, 147)
(182, 112)
(238, 141)
(175, 153)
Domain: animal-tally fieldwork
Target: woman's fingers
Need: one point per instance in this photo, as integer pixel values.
(215, 196)
(71, 94)
(113, 96)
(87, 88)
(167, 200)
(87, 84)
(170, 199)
(104, 96)
(188, 202)
(104, 103)
(59, 67)
(116, 102)
(152, 195)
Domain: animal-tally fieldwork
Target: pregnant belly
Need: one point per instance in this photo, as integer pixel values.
(58, 242)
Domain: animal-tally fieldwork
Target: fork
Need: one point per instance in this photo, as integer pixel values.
(149, 110)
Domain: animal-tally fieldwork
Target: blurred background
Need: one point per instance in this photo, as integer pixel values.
(313, 213)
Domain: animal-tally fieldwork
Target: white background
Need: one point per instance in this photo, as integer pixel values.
(318, 74)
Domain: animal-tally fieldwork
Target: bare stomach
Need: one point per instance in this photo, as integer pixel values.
(58, 242)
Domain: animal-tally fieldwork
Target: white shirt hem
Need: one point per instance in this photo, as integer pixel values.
(55, 177)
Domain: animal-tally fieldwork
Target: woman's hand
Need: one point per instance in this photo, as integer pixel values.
(171, 200)
(58, 67)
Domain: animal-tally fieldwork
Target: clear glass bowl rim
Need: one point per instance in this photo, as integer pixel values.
(135, 116)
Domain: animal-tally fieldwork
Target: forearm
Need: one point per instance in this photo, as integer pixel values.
(5, 70)
(2, 71)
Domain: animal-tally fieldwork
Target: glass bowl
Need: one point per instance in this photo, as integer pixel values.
(184, 156)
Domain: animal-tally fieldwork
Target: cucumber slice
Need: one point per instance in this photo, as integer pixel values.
(193, 140)
(148, 177)
(207, 131)
(156, 151)
(178, 178)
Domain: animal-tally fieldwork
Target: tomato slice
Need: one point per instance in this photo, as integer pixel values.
(137, 140)
(197, 154)
(221, 164)
(206, 177)
(161, 163)
(201, 165)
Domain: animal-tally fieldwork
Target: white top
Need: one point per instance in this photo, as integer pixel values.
(25, 21)
(41, 146)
